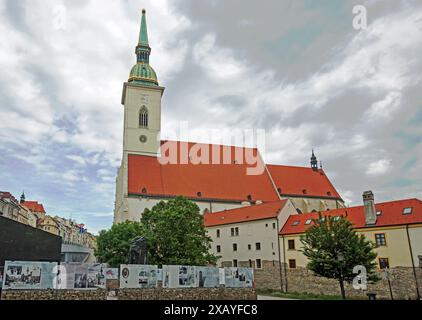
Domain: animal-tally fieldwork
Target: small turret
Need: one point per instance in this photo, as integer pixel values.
(23, 198)
(314, 161)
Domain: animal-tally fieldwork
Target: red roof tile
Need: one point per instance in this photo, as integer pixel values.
(244, 214)
(391, 215)
(227, 182)
(5, 195)
(301, 181)
(34, 206)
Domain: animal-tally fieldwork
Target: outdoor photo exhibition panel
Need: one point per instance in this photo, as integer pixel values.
(138, 276)
(81, 276)
(20, 275)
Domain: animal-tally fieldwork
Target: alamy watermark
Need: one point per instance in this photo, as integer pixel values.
(360, 20)
(237, 146)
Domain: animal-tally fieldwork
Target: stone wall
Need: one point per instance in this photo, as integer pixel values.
(403, 284)
(188, 294)
(54, 294)
(28, 294)
(269, 276)
(112, 284)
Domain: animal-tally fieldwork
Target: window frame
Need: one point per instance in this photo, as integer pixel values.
(292, 264)
(376, 235)
(385, 260)
(258, 246)
(144, 117)
(290, 241)
(258, 264)
(407, 213)
(235, 247)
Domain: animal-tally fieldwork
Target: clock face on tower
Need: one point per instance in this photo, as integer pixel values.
(143, 139)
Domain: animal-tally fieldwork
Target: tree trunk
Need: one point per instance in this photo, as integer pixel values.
(343, 291)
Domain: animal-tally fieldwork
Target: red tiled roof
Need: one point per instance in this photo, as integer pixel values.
(301, 181)
(5, 195)
(34, 206)
(227, 182)
(244, 214)
(391, 215)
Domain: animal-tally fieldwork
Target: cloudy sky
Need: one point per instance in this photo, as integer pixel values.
(298, 69)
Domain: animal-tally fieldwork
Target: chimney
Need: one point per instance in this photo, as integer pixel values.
(369, 204)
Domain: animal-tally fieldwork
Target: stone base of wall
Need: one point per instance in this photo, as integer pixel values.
(188, 294)
(112, 284)
(54, 294)
(99, 294)
(28, 295)
(403, 284)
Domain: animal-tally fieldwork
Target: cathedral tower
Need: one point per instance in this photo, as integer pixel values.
(142, 102)
(141, 99)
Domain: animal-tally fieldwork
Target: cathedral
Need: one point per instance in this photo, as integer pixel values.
(222, 183)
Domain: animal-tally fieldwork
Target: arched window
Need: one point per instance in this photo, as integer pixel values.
(143, 117)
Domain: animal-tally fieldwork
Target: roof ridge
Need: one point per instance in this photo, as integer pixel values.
(210, 144)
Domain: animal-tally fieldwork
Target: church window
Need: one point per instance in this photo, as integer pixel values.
(143, 118)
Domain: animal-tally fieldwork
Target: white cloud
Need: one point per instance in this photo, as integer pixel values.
(386, 107)
(379, 167)
(219, 63)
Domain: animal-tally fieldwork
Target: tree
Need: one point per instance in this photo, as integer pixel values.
(176, 234)
(113, 245)
(174, 231)
(334, 248)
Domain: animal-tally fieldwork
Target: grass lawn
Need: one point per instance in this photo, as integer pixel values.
(304, 296)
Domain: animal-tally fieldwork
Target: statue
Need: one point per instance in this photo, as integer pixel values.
(138, 251)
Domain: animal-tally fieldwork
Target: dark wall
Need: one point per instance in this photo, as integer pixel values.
(19, 242)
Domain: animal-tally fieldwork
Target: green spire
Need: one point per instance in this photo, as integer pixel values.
(142, 72)
(143, 33)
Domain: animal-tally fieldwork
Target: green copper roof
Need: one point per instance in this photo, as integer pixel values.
(143, 33)
(142, 72)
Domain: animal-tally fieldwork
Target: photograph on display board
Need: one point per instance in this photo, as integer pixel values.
(19, 275)
(23, 276)
(82, 276)
(238, 277)
(187, 277)
(112, 273)
(138, 276)
(96, 278)
(208, 277)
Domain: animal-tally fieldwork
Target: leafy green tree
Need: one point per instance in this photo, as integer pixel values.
(176, 234)
(113, 245)
(174, 231)
(334, 248)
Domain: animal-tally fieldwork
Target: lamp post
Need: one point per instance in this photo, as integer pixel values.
(388, 275)
(340, 259)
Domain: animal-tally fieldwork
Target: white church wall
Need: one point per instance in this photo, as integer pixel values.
(307, 205)
(135, 206)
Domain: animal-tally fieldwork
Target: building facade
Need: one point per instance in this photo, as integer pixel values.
(248, 237)
(215, 177)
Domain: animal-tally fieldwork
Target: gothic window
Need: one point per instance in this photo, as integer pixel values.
(143, 117)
